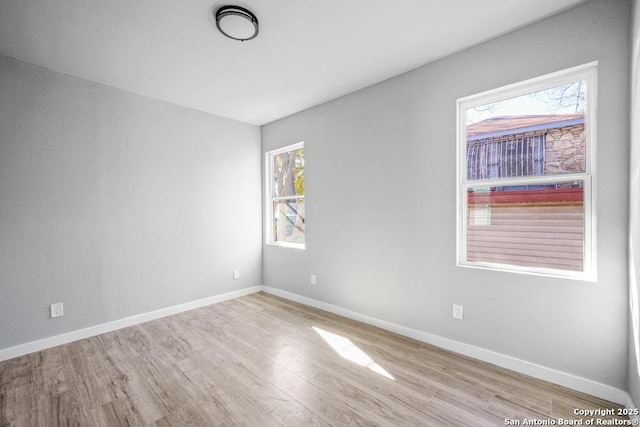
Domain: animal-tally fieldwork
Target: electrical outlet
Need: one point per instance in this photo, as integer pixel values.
(313, 280)
(458, 311)
(57, 310)
(236, 274)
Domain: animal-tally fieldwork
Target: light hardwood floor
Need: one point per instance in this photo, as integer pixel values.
(263, 361)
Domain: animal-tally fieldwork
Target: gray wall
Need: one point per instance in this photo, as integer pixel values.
(381, 203)
(117, 204)
(633, 379)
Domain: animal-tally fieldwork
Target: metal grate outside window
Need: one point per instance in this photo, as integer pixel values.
(513, 156)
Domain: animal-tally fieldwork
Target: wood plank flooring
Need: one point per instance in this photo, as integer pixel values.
(261, 361)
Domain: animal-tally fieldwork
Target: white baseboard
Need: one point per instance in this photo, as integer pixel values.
(33, 346)
(574, 382)
(571, 381)
(630, 404)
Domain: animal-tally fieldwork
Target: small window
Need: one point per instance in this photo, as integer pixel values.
(285, 196)
(525, 176)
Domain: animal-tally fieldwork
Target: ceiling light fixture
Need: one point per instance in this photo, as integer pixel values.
(236, 22)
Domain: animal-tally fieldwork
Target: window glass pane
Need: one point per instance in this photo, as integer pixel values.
(288, 221)
(288, 173)
(539, 133)
(527, 225)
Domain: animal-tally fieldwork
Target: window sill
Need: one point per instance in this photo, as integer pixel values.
(532, 271)
(288, 245)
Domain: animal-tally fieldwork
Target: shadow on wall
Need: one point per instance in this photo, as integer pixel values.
(633, 304)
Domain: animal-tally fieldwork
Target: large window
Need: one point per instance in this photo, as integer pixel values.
(285, 196)
(525, 176)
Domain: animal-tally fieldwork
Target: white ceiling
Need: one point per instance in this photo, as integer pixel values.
(307, 52)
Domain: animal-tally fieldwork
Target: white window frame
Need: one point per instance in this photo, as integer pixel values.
(587, 72)
(269, 199)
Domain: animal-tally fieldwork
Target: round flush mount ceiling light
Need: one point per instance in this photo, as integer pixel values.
(236, 22)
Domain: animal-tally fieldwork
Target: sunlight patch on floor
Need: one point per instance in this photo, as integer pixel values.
(348, 350)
